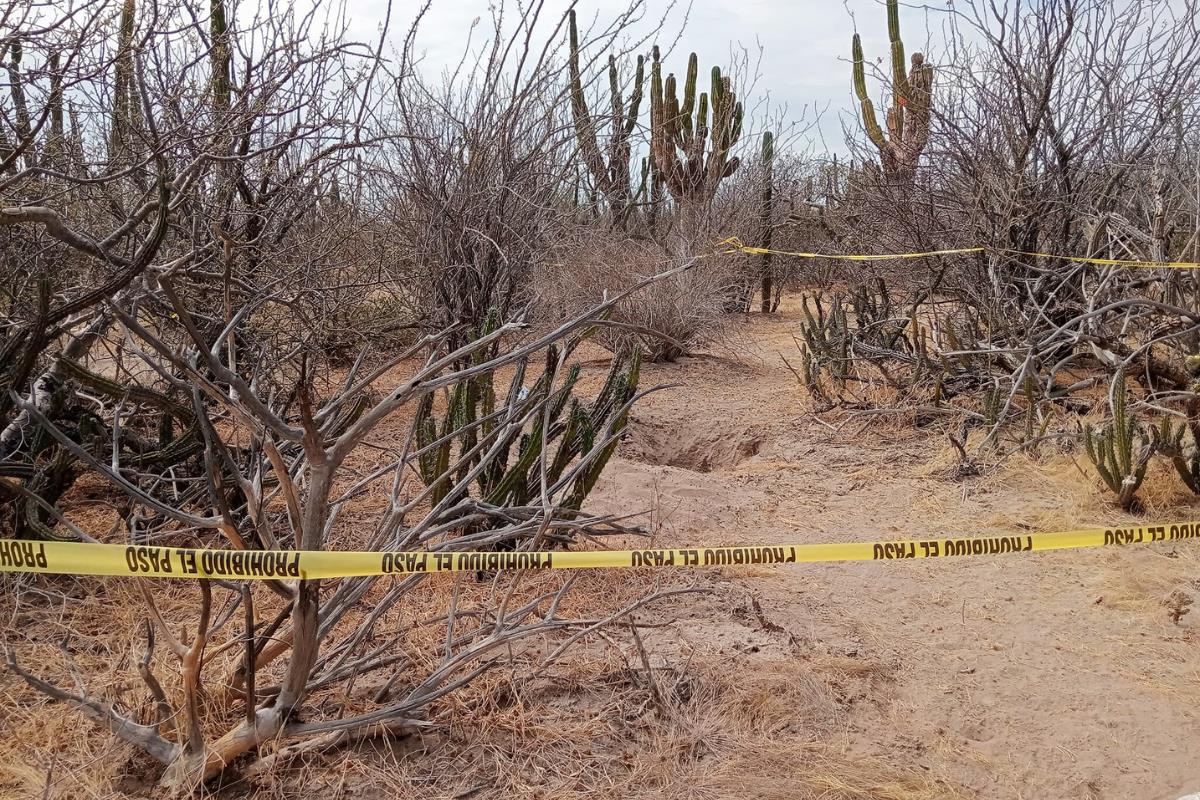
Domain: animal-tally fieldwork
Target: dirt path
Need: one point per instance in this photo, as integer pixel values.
(1045, 676)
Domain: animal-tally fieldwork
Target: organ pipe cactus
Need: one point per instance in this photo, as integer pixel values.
(766, 212)
(681, 130)
(57, 141)
(220, 56)
(907, 120)
(126, 115)
(541, 429)
(1169, 437)
(610, 172)
(1169, 441)
(1121, 452)
(21, 121)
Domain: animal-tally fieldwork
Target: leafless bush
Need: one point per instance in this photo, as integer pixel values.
(199, 262)
(476, 185)
(1063, 129)
(667, 320)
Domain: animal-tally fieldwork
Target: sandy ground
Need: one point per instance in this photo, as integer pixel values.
(1054, 675)
(1046, 676)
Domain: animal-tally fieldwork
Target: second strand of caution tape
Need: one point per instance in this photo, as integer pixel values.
(736, 245)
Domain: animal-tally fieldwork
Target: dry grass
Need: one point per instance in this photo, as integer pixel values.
(592, 726)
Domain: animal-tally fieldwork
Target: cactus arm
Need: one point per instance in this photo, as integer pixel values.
(858, 70)
(568, 447)
(57, 130)
(870, 122)
(907, 119)
(1121, 434)
(123, 90)
(680, 132)
(585, 126)
(689, 88)
(586, 480)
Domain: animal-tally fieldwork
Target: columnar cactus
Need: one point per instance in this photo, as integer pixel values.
(220, 57)
(678, 142)
(766, 212)
(611, 175)
(56, 143)
(562, 430)
(912, 96)
(126, 110)
(16, 80)
(1121, 463)
(650, 194)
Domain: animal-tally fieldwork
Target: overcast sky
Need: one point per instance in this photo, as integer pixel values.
(805, 43)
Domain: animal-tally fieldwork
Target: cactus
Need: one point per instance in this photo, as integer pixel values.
(219, 58)
(21, 121)
(677, 141)
(827, 337)
(991, 406)
(912, 96)
(1169, 442)
(1169, 438)
(57, 140)
(656, 195)
(766, 213)
(562, 429)
(824, 349)
(126, 111)
(649, 194)
(611, 175)
(1121, 463)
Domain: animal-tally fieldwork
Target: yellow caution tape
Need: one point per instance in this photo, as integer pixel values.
(736, 245)
(79, 558)
(1112, 262)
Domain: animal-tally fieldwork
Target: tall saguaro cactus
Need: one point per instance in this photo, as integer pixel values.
(912, 96)
(611, 175)
(678, 141)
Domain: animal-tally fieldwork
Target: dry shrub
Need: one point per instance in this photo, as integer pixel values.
(668, 319)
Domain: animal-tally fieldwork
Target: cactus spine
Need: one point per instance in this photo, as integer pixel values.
(611, 175)
(678, 141)
(907, 121)
(765, 220)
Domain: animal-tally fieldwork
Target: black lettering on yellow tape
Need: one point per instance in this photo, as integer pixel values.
(78, 558)
(1151, 533)
(18, 556)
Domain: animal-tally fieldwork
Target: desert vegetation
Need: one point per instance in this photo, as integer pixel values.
(269, 287)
